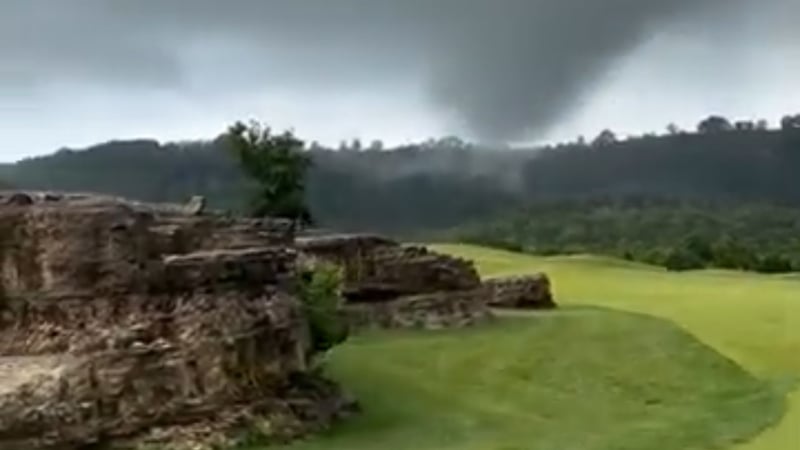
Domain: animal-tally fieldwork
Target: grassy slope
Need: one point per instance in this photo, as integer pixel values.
(570, 380)
(753, 319)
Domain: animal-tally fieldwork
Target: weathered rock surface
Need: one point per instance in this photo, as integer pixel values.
(450, 309)
(526, 292)
(126, 323)
(390, 285)
(122, 323)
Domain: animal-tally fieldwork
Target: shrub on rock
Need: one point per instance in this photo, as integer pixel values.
(320, 291)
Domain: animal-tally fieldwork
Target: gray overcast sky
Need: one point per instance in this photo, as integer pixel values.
(77, 72)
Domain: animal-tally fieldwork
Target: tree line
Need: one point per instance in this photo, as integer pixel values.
(676, 234)
(443, 183)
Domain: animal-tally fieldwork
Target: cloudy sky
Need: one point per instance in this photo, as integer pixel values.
(77, 72)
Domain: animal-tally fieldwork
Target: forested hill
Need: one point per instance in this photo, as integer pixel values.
(439, 184)
(677, 234)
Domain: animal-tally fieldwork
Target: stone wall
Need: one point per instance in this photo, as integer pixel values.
(124, 322)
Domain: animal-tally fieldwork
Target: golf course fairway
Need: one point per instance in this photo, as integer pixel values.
(752, 319)
(636, 359)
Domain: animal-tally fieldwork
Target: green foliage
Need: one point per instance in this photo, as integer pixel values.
(437, 185)
(682, 259)
(715, 124)
(319, 287)
(700, 248)
(774, 264)
(278, 165)
(693, 254)
(679, 235)
(732, 254)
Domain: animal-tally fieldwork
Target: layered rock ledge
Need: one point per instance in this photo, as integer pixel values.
(388, 285)
(124, 323)
(521, 292)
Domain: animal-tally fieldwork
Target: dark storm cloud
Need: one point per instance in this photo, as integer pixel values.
(44, 41)
(505, 67)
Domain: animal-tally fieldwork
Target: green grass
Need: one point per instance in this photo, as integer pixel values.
(753, 319)
(581, 379)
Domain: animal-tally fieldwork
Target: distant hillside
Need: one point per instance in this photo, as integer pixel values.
(678, 234)
(395, 191)
(6, 171)
(444, 183)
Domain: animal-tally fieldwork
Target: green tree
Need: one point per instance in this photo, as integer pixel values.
(278, 165)
(376, 146)
(714, 124)
(732, 254)
(682, 259)
(774, 264)
(604, 139)
(700, 247)
(790, 122)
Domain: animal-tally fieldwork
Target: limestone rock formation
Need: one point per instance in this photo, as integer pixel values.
(391, 285)
(524, 292)
(437, 310)
(126, 323)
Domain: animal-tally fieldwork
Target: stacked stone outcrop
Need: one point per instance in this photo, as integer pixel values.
(390, 285)
(123, 323)
(521, 292)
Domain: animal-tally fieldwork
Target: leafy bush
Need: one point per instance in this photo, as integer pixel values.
(653, 256)
(320, 288)
(774, 264)
(730, 254)
(683, 259)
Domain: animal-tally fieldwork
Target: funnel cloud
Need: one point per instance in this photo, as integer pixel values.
(503, 70)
